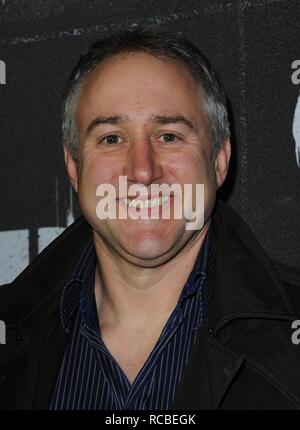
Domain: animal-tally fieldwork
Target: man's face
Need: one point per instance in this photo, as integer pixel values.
(137, 95)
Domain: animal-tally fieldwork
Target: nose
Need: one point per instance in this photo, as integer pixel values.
(142, 164)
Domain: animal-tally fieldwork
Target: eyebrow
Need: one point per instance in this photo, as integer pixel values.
(115, 119)
(159, 119)
(167, 119)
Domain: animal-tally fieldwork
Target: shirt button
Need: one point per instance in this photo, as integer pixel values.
(212, 332)
(19, 336)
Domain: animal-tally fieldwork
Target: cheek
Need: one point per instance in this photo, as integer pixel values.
(191, 167)
(97, 170)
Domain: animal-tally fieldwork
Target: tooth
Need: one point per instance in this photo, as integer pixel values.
(144, 204)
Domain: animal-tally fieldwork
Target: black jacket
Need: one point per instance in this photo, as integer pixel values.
(244, 357)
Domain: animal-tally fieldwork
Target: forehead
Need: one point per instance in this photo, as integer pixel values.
(138, 81)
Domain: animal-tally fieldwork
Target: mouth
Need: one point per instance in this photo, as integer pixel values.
(145, 204)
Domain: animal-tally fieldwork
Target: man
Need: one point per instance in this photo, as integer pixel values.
(126, 313)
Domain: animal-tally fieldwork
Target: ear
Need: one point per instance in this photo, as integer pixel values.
(71, 168)
(222, 162)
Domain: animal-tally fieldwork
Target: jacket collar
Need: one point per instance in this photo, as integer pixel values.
(245, 282)
(36, 292)
(248, 299)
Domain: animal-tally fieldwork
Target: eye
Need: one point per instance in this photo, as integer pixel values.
(168, 138)
(112, 139)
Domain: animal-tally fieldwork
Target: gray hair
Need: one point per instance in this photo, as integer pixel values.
(165, 45)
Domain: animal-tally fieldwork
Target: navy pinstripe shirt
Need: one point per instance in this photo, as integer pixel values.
(91, 379)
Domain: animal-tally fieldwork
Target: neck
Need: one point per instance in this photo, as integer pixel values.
(127, 293)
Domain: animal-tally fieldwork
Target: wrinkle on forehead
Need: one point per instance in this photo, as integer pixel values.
(139, 71)
(139, 85)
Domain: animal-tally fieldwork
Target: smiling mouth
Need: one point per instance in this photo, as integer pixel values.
(145, 204)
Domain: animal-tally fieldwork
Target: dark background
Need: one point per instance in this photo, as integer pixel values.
(252, 44)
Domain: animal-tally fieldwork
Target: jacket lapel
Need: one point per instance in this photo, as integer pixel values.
(50, 360)
(209, 372)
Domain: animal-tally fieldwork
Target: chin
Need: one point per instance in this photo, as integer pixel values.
(147, 248)
(154, 245)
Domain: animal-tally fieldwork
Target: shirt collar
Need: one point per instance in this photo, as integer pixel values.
(199, 272)
(80, 277)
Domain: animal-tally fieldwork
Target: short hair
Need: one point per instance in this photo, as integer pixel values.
(160, 44)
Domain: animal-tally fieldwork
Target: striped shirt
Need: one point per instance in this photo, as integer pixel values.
(91, 379)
